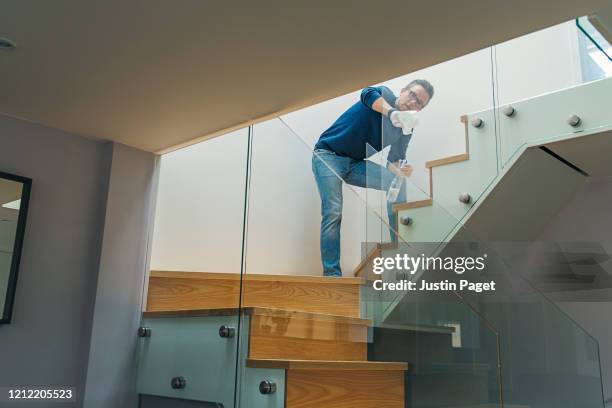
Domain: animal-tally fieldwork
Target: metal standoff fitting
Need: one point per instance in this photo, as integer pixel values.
(574, 120)
(227, 331)
(465, 198)
(509, 111)
(405, 220)
(477, 122)
(267, 387)
(144, 331)
(178, 383)
(402, 275)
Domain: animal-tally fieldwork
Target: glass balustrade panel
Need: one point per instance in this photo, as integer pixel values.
(553, 87)
(188, 341)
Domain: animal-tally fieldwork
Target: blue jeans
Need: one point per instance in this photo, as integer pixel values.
(330, 170)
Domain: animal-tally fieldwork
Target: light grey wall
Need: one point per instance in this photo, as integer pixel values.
(47, 342)
(83, 265)
(587, 219)
(111, 371)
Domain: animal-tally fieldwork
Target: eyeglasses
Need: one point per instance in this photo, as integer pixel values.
(416, 99)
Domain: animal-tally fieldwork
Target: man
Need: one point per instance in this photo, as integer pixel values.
(340, 154)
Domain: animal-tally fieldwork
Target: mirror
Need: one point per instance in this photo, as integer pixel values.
(14, 198)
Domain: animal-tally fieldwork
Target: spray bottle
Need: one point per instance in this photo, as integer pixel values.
(396, 184)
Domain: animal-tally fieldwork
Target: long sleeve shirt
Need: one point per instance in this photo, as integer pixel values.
(361, 125)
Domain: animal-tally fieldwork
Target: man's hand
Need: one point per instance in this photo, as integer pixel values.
(406, 170)
(405, 120)
(401, 169)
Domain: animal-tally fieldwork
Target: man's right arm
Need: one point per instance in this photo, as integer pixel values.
(372, 98)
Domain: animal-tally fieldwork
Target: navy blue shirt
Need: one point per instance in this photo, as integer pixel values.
(361, 125)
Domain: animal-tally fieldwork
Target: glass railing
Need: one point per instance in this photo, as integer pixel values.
(264, 326)
(552, 123)
(598, 47)
(546, 358)
(313, 338)
(188, 340)
(550, 97)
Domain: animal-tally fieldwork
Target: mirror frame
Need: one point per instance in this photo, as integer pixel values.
(7, 311)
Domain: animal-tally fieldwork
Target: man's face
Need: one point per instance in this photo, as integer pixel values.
(413, 98)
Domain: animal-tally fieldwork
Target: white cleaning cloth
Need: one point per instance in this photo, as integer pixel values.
(405, 120)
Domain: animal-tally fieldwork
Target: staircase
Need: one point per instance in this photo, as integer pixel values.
(514, 157)
(304, 341)
(298, 340)
(495, 142)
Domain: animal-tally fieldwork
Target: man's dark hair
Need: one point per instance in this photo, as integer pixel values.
(425, 84)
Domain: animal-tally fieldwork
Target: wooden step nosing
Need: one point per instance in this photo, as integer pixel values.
(412, 204)
(226, 311)
(256, 310)
(374, 252)
(447, 160)
(326, 365)
(277, 312)
(256, 277)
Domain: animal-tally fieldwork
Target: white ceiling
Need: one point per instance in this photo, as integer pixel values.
(157, 74)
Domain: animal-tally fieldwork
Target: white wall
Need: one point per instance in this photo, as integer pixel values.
(200, 206)
(538, 63)
(199, 215)
(284, 208)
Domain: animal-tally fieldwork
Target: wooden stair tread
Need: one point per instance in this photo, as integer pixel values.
(326, 365)
(207, 290)
(412, 204)
(265, 311)
(257, 277)
(447, 160)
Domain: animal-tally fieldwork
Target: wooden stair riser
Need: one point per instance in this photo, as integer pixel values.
(337, 299)
(275, 337)
(167, 294)
(308, 295)
(344, 389)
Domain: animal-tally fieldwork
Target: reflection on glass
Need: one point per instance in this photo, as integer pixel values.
(13, 205)
(595, 51)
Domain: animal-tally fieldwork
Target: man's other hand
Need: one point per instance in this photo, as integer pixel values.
(406, 170)
(400, 168)
(405, 120)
